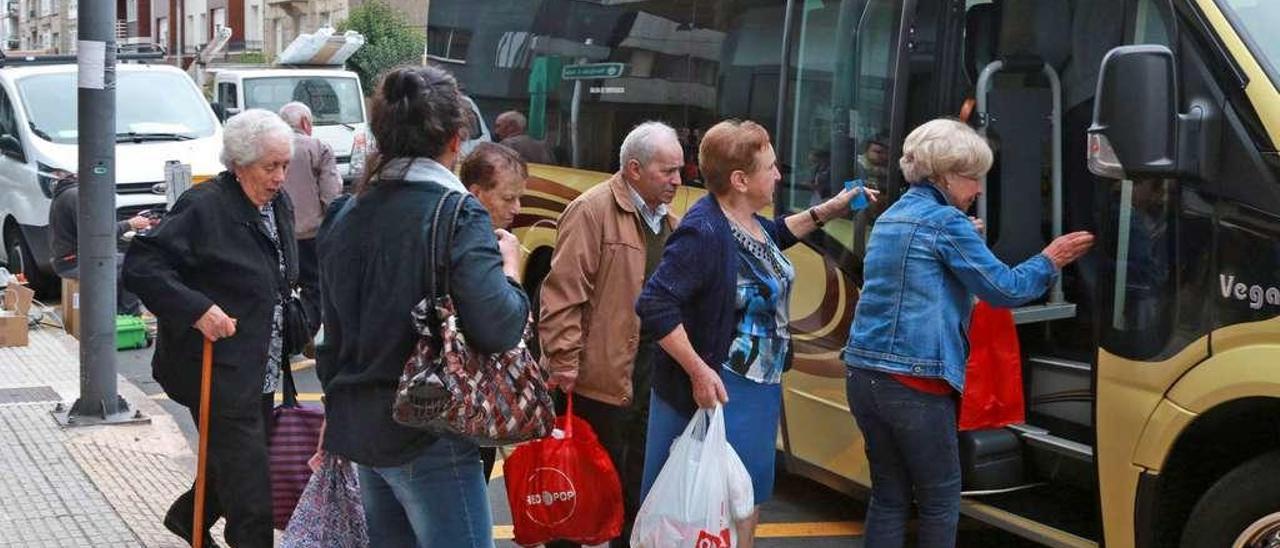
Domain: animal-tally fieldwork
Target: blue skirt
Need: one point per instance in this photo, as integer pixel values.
(751, 424)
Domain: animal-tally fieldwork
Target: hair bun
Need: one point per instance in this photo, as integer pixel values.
(401, 84)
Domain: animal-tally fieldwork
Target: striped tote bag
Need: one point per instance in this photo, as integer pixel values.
(294, 434)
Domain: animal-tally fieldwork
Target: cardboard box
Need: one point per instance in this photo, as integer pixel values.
(70, 310)
(13, 315)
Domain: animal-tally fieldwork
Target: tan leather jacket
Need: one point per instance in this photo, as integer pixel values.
(588, 319)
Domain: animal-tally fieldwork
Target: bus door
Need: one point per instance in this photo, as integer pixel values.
(834, 126)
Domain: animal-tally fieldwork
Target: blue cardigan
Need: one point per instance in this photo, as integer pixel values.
(695, 285)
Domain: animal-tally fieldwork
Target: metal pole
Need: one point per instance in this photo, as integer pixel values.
(574, 108)
(181, 27)
(96, 103)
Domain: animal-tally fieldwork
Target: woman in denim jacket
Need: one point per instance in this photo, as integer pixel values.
(925, 262)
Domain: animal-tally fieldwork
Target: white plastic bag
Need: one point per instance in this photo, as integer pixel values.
(699, 492)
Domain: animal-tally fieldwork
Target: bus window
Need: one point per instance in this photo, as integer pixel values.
(1150, 24)
(689, 63)
(838, 113)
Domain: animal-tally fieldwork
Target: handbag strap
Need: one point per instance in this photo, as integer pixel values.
(439, 266)
(429, 232)
(290, 389)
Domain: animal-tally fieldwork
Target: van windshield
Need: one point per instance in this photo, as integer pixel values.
(333, 99)
(149, 105)
(1256, 21)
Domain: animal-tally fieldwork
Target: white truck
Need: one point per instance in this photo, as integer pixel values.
(334, 95)
(161, 115)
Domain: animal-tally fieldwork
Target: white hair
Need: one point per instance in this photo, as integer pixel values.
(943, 147)
(294, 113)
(643, 141)
(246, 134)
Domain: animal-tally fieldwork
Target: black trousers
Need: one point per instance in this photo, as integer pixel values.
(236, 471)
(308, 263)
(622, 432)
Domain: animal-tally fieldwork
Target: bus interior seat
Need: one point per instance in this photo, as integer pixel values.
(1020, 107)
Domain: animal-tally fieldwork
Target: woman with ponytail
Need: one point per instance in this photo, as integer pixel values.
(418, 489)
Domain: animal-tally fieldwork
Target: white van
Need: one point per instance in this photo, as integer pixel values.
(160, 115)
(334, 95)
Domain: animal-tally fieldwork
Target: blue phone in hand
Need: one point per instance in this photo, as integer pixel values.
(859, 202)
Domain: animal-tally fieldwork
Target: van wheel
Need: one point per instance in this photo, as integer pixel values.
(20, 259)
(1241, 510)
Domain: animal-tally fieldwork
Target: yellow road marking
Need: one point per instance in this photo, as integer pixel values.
(497, 470)
(810, 529)
(765, 530)
(310, 397)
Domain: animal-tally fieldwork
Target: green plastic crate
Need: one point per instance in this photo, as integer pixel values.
(131, 332)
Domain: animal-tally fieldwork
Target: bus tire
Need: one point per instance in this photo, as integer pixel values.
(1244, 505)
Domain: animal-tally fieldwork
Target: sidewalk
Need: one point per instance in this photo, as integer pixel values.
(87, 486)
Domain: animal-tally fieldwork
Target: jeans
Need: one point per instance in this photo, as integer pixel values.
(911, 445)
(437, 500)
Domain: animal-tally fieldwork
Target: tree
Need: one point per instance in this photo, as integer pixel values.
(390, 41)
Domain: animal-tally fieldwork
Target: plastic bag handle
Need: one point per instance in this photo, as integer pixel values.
(568, 415)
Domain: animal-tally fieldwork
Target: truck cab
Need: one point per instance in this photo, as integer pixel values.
(334, 95)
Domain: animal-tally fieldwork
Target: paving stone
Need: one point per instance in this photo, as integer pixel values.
(87, 486)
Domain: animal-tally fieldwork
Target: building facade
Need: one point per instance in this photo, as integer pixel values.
(190, 24)
(47, 25)
(286, 19)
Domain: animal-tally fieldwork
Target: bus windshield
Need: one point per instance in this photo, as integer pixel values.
(1256, 21)
(333, 99)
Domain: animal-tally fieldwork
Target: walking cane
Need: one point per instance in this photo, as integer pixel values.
(206, 382)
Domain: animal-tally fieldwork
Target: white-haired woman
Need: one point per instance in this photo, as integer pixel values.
(925, 262)
(218, 266)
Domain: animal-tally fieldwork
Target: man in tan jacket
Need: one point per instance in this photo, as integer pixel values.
(610, 240)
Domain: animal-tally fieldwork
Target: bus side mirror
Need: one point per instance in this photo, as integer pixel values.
(1137, 130)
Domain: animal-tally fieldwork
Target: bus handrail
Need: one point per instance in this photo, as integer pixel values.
(1055, 116)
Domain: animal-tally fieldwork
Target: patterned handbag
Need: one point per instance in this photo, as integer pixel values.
(447, 388)
(330, 513)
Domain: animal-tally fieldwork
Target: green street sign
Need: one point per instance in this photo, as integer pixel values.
(593, 71)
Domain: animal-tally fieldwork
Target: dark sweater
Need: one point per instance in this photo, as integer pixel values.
(212, 248)
(695, 286)
(63, 224)
(373, 270)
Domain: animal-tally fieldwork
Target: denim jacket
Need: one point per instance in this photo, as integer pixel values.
(924, 264)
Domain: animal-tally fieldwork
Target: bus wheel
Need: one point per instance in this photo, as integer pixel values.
(1241, 510)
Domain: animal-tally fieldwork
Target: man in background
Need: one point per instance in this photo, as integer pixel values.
(312, 182)
(510, 129)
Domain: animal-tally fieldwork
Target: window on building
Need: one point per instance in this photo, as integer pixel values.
(448, 44)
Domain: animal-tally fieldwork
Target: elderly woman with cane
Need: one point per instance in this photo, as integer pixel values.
(220, 267)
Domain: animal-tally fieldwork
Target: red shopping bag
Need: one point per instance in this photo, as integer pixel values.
(993, 379)
(564, 487)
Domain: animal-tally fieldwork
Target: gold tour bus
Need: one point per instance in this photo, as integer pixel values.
(1151, 371)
